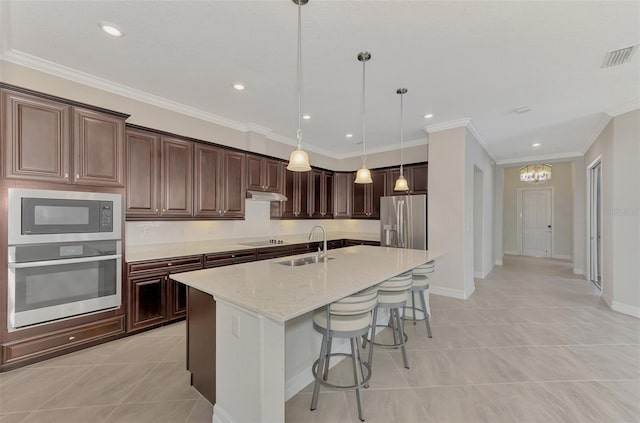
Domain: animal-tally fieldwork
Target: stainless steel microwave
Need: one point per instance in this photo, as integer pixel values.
(40, 216)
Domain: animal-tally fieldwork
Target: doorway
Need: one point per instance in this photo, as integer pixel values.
(594, 178)
(535, 229)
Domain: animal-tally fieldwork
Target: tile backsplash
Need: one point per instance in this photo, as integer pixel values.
(257, 224)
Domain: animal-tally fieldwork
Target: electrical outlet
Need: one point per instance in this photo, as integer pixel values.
(235, 326)
(146, 230)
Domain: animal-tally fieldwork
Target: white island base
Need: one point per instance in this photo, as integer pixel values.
(265, 342)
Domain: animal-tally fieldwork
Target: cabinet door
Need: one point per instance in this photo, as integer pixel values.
(316, 194)
(234, 182)
(327, 195)
(361, 200)
(342, 184)
(143, 174)
(255, 173)
(98, 146)
(177, 177)
(285, 209)
(302, 187)
(177, 300)
(273, 175)
(208, 181)
(377, 189)
(419, 179)
(147, 301)
(36, 137)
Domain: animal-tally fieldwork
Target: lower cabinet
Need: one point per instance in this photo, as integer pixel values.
(154, 298)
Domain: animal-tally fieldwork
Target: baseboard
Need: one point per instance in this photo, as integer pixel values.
(221, 416)
(625, 309)
(511, 253)
(478, 275)
(578, 271)
(498, 262)
(468, 294)
(447, 292)
(562, 257)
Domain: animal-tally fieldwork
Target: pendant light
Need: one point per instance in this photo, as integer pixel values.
(299, 159)
(363, 175)
(401, 182)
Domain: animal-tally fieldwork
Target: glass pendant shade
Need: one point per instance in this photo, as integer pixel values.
(363, 176)
(299, 161)
(401, 184)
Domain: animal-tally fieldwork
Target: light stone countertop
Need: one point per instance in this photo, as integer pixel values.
(168, 250)
(282, 292)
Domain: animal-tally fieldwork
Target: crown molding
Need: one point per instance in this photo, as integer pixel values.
(74, 75)
(391, 147)
(458, 123)
(605, 118)
(623, 108)
(258, 129)
(542, 158)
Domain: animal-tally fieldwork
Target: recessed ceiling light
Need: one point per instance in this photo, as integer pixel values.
(523, 109)
(535, 145)
(349, 135)
(428, 116)
(306, 117)
(238, 86)
(111, 29)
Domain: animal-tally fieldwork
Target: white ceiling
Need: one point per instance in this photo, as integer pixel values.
(459, 60)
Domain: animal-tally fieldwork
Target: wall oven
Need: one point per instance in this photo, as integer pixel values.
(64, 255)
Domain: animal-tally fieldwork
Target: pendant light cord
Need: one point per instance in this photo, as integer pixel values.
(299, 133)
(401, 132)
(364, 141)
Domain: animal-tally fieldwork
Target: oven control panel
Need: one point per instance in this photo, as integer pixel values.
(106, 216)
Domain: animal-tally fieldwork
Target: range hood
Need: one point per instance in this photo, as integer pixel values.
(265, 196)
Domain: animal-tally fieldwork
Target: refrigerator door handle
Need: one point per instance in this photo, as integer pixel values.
(401, 235)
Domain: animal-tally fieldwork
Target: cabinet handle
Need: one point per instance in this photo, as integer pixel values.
(163, 210)
(77, 176)
(71, 338)
(169, 264)
(156, 210)
(233, 255)
(66, 175)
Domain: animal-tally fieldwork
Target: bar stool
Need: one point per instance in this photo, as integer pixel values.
(392, 295)
(350, 318)
(420, 287)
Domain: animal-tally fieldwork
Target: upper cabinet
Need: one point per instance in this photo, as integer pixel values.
(417, 178)
(39, 134)
(296, 189)
(342, 194)
(320, 194)
(220, 183)
(366, 197)
(264, 174)
(176, 178)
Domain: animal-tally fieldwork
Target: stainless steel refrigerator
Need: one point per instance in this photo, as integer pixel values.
(403, 221)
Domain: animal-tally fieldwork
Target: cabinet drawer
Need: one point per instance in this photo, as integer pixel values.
(173, 265)
(309, 247)
(61, 340)
(229, 257)
(353, 242)
(273, 252)
(336, 243)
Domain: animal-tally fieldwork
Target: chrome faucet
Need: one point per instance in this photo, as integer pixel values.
(324, 239)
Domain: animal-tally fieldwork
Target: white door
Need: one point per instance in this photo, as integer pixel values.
(536, 222)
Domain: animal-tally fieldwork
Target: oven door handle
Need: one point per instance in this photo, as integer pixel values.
(63, 261)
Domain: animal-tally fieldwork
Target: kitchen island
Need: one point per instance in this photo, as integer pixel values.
(264, 340)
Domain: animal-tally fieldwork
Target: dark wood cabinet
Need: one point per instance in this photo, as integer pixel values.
(320, 194)
(417, 179)
(219, 182)
(264, 174)
(354, 242)
(229, 257)
(366, 197)
(176, 177)
(296, 189)
(38, 134)
(143, 174)
(98, 146)
(342, 195)
(153, 297)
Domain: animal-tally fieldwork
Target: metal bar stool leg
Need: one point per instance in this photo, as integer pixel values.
(356, 375)
(413, 303)
(316, 385)
(401, 335)
(426, 314)
(325, 373)
(373, 336)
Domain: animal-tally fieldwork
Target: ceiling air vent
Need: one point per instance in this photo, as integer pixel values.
(619, 57)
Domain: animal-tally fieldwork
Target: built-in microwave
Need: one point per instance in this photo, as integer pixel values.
(37, 216)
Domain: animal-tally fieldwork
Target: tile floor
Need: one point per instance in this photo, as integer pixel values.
(533, 344)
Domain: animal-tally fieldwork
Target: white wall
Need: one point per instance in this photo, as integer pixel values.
(579, 215)
(562, 183)
(619, 147)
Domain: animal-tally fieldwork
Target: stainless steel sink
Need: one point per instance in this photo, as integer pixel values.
(303, 261)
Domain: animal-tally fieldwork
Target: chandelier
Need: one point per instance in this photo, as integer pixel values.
(535, 173)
